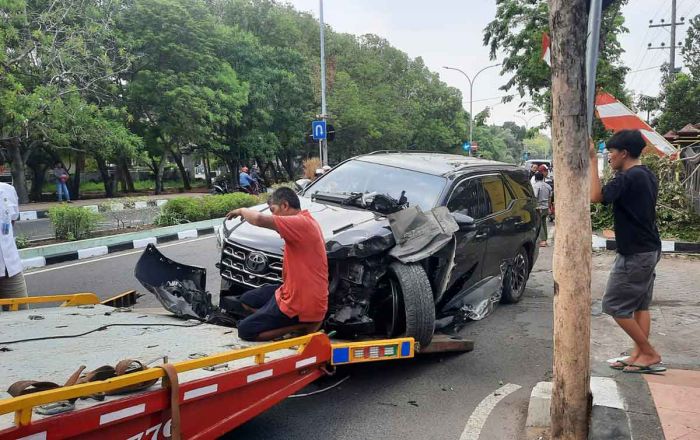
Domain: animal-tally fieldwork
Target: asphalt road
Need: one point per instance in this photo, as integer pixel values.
(428, 397)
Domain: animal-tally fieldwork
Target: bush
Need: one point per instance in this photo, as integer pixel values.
(72, 222)
(192, 209)
(674, 213)
(310, 166)
(21, 241)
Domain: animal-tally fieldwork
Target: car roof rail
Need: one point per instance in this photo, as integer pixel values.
(403, 151)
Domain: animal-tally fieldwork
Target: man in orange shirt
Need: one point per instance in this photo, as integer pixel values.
(303, 296)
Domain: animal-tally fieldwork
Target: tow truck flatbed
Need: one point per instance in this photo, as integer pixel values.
(221, 381)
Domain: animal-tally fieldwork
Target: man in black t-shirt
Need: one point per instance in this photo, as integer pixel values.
(632, 193)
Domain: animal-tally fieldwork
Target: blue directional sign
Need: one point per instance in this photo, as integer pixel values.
(318, 129)
(466, 146)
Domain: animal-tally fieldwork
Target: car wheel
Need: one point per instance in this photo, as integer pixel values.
(412, 302)
(514, 280)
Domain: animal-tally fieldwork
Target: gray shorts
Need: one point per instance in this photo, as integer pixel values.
(631, 284)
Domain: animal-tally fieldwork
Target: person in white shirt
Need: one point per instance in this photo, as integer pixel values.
(543, 194)
(12, 284)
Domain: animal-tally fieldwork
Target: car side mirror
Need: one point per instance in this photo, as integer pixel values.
(464, 222)
(302, 183)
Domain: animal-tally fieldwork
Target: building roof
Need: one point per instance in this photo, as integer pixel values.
(429, 163)
(689, 130)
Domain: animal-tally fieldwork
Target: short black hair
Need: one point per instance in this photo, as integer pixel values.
(285, 194)
(539, 176)
(630, 140)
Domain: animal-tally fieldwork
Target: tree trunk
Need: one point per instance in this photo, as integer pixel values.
(572, 248)
(38, 179)
(177, 157)
(275, 174)
(126, 176)
(17, 169)
(157, 167)
(287, 164)
(75, 180)
(207, 169)
(106, 178)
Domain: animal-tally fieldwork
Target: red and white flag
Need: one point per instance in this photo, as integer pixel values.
(546, 52)
(616, 116)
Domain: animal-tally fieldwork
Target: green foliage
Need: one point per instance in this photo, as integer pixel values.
(73, 222)
(193, 209)
(21, 241)
(517, 32)
(674, 214)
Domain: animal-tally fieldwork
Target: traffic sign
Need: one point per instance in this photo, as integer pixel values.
(318, 130)
(466, 146)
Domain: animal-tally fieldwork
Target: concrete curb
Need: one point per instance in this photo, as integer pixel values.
(110, 207)
(60, 253)
(608, 416)
(600, 243)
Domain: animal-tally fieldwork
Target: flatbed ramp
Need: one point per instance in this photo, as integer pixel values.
(222, 381)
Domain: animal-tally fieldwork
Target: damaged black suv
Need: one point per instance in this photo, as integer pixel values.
(415, 241)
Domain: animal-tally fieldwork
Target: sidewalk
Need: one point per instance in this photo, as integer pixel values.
(43, 206)
(658, 406)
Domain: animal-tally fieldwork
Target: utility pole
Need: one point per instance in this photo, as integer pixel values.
(324, 115)
(673, 24)
(572, 248)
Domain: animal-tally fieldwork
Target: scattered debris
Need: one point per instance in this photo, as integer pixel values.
(5, 349)
(152, 346)
(61, 326)
(413, 402)
(388, 404)
(36, 317)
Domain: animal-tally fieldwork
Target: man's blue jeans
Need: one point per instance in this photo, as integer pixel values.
(62, 190)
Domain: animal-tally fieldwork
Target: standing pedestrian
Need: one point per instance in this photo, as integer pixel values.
(61, 174)
(633, 193)
(12, 284)
(543, 194)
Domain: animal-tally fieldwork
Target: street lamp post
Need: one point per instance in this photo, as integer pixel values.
(471, 96)
(323, 144)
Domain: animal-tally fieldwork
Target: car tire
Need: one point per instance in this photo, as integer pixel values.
(515, 280)
(417, 296)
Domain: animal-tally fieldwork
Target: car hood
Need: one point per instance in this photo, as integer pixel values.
(349, 232)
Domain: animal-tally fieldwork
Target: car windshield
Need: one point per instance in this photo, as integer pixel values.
(358, 176)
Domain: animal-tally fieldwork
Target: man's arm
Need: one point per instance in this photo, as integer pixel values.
(253, 217)
(596, 188)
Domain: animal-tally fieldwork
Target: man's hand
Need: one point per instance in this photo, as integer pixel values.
(233, 214)
(592, 150)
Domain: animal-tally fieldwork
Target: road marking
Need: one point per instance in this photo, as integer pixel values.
(116, 256)
(481, 413)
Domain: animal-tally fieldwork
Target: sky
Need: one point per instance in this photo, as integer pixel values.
(450, 33)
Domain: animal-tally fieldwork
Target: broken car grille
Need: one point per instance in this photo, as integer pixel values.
(249, 267)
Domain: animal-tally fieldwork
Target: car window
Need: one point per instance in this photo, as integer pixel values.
(520, 185)
(495, 193)
(359, 176)
(468, 198)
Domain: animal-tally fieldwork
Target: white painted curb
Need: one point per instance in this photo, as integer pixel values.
(161, 202)
(92, 252)
(116, 207)
(30, 263)
(140, 205)
(93, 208)
(142, 243)
(27, 215)
(599, 242)
(668, 246)
(190, 233)
(538, 409)
(605, 393)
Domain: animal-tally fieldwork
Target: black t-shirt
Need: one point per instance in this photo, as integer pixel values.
(633, 196)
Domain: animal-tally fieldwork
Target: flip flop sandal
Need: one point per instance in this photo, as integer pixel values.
(644, 369)
(622, 365)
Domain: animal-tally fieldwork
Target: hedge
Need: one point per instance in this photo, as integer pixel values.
(193, 209)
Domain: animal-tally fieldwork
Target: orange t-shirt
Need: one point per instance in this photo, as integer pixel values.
(304, 291)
